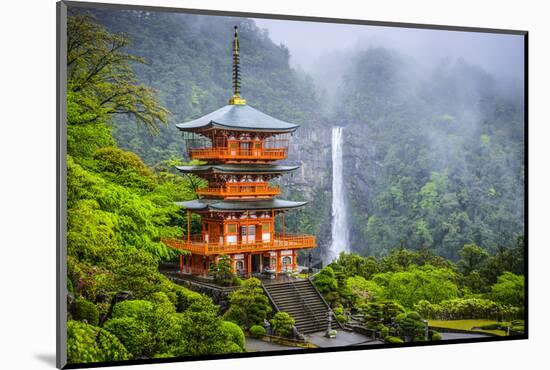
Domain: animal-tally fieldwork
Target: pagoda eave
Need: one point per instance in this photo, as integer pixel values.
(240, 205)
(238, 118)
(237, 169)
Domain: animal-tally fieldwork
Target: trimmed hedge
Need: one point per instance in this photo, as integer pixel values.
(257, 331)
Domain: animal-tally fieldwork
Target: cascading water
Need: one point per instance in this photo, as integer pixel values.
(340, 232)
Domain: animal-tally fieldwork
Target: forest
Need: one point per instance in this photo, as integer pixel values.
(438, 233)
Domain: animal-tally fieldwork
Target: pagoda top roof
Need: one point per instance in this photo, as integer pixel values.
(237, 168)
(238, 117)
(239, 205)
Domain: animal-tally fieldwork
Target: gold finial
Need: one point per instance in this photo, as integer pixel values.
(236, 98)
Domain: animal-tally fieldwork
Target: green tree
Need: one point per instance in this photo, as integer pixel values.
(410, 326)
(100, 78)
(222, 271)
(417, 283)
(473, 258)
(282, 324)
(509, 289)
(248, 304)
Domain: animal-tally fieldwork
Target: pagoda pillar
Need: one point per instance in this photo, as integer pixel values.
(188, 227)
(283, 223)
(294, 264)
(249, 264)
(232, 256)
(181, 263)
(207, 265)
(278, 263)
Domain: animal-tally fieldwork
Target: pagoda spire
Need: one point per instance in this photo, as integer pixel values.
(236, 99)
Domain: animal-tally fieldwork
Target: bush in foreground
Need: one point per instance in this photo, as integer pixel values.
(257, 331)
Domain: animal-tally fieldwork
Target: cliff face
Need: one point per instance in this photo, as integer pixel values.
(311, 149)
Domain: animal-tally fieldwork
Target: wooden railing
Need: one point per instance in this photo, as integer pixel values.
(239, 153)
(241, 189)
(197, 245)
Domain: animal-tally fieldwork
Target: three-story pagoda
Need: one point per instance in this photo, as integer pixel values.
(238, 208)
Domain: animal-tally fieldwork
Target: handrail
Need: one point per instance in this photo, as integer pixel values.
(241, 189)
(197, 244)
(238, 153)
(305, 305)
(325, 302)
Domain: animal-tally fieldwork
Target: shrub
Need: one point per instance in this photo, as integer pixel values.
(394, 340)
(465, 308)
(234, 333)
(436, 336)
(384, 332)
(493, 326)
(133, 333)
(282, 324)
(85, 310)
(248, 304)
(87, 343)
(410, 325)
(138, 309)
(257, 331)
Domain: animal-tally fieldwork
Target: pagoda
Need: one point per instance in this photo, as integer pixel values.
(237, 146)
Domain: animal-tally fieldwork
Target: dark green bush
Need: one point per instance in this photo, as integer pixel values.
(87, 343)
(436, 336)
(85, 310)
(282, 324)
(493, 326)
(257, 331)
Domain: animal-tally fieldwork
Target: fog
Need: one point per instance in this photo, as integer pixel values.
(316, 46)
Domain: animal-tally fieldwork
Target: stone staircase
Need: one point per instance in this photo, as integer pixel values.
(303, 302)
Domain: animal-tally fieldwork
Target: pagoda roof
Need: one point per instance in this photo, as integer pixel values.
(239, 117)
(239, 205)
(237, 168)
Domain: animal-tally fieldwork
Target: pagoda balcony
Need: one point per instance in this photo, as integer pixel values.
(237, 190)
(196, 244)
(222, 153)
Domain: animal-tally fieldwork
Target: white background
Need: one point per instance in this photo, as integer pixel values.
(27, 206)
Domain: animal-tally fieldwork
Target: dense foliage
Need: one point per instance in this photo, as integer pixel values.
(395, 293)
(118, 209)
(443, 155)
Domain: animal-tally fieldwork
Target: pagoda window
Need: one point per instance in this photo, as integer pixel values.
(266, 233)
(245, 148)
(233, 147)
(257, 148)
(248, 236)
(231, 237)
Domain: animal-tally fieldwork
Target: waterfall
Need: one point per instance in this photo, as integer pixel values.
(340, 232)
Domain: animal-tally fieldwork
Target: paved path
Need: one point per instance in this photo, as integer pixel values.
(256, 345)
(343, 338)
(462, 335)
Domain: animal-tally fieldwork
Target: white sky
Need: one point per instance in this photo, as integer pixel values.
(501, 55)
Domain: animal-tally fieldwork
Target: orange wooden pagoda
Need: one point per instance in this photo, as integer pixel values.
(238, 208)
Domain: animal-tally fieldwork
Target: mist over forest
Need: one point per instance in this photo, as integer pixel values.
(434, 154)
